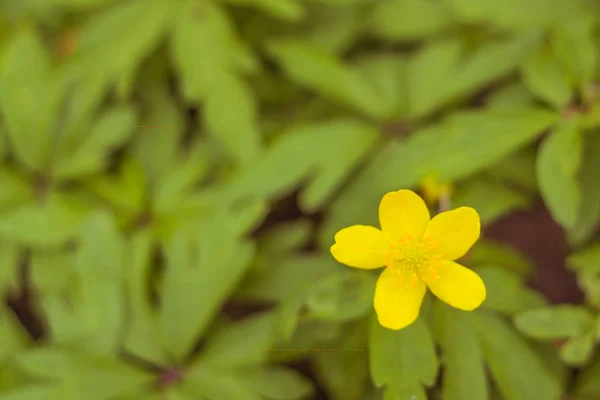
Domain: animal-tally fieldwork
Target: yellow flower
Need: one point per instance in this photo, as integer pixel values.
(418, 252)
(433, 188)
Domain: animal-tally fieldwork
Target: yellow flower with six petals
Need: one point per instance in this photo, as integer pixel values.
(418, 252)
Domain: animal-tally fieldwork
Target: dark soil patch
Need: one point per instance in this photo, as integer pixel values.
(537, 236)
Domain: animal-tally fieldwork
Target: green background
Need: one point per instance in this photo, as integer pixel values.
(173, 173)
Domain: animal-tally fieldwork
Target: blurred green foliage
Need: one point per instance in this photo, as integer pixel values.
(150, 150)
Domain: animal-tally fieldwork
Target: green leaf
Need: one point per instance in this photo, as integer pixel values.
(99, 264)
(118, 38)
(51, 272)
(550, 357)
(286, 237)
(160, 131)
(15, 190)
(590, 284)
(333, 28)
(329, 76)
(577, 351)
(218, 385)
(181, 178)
(290, 10)
(203, 269)
(340, 2)
(388, 74)
(518, 169)
(91, 314)
(492, 200)
(125, 85)
(345, 374)
(464, 375)
(516, 14)
(591, 119)
(40, 225)
(558, 163)
(440, 73)
(66, 327)
(545, 79)
(141, 338)
(413, 391)
(3, 141)
(575, 46)
(343, 296)
(265, 178)
(10, 259)
(511, 95)
(403, 358)
(503, 349)
(461, 145)
(557, 322)
(111, 130)
(174, 393)
(125, 191)
(306, 335)
(203, 49)
(289, 313)
(588, 381)
(80, 5)
(242, 344)
(589, 212)
(276, 383)
(495, 253)
(245, 216)
(39, 391)
(427, 69)
(13, 337)
(586, 260)
(28, 88)
(408, 19)
(506, 293)
(203, 46)
(293, 274)
(238, 128)
(86, 94)
(87, 376)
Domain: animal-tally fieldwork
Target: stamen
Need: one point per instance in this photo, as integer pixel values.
(413, 280)
(410, 260)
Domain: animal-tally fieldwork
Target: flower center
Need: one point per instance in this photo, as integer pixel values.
(411, 259)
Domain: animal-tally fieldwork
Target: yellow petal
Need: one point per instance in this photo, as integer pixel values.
(397, 305)
(454, 231)
(360, 246)
(403, 213)
(458, 286)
